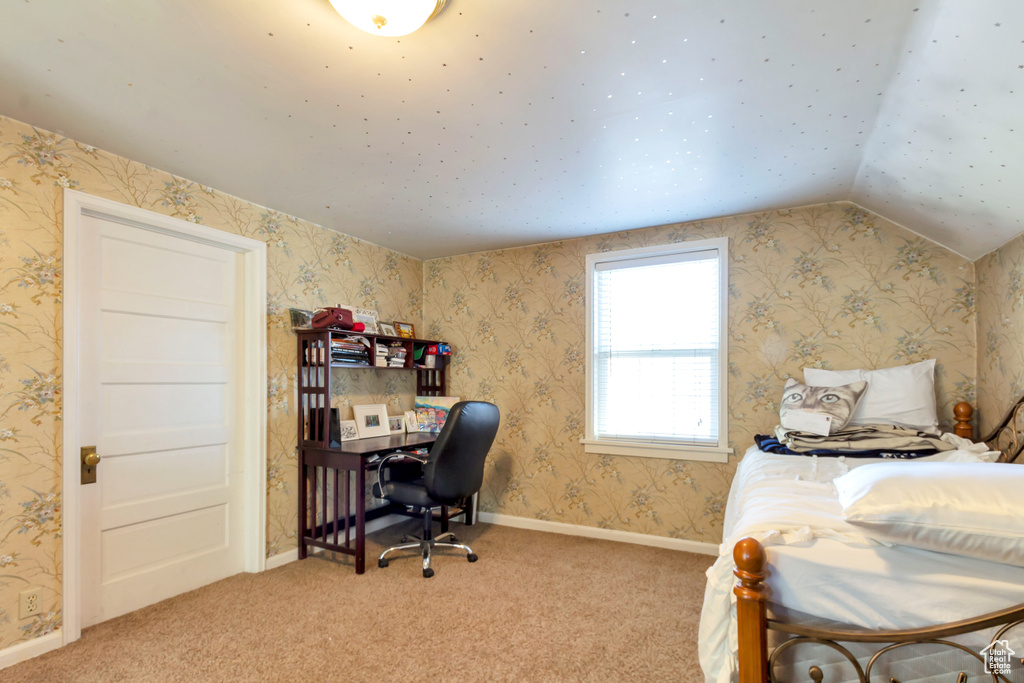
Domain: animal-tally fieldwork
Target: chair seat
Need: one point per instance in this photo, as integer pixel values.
(409, 493)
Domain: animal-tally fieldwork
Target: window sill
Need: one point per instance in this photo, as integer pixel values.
(657, 450)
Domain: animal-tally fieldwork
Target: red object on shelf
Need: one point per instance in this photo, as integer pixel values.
(335, 318)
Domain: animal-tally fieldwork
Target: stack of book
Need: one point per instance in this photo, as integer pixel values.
(381, 356)
(396, 355)
(349, 351)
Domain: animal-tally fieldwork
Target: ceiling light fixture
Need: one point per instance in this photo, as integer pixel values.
(388, 17)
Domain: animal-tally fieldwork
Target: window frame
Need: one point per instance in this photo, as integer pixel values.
(659, 449)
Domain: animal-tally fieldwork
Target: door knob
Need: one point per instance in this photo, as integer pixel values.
(90, 458)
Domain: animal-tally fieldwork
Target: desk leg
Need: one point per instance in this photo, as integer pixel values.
(471, 509)
(360, 519)
(303, 512)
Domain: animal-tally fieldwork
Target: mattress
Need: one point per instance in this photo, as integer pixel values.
(826, 571)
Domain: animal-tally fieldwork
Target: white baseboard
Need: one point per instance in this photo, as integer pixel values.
(605, 534)
(292, 555)
(281, 559)
(10, 656)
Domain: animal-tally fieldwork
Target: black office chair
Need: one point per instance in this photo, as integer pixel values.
(452, 472)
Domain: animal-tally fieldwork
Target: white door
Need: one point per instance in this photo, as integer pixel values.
(159, 381)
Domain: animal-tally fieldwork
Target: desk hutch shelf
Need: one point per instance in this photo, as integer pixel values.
(326, 473)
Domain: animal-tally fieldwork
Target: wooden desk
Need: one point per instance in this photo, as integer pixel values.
(330, 525)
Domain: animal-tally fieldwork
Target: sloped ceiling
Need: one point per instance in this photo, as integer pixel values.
(945, 157)
(505, 123)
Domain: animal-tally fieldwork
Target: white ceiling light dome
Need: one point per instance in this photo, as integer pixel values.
(388, 17)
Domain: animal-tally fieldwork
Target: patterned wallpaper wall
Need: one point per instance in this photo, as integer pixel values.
(1000, 332)
(828, 286)
(307, 266)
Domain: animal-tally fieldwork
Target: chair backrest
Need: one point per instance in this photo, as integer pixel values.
(455, 468)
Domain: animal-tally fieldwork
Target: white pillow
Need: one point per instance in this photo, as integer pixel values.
(904, 395)
(962, 508)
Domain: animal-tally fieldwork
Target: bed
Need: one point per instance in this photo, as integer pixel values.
(809, 587)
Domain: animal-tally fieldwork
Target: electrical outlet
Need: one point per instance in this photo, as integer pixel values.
(29, 604)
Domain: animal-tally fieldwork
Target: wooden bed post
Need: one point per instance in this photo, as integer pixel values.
(963, 412)
(751, 610)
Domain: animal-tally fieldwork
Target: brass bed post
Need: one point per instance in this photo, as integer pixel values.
(751, 610)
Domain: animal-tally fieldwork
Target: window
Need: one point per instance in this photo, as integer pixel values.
(656, 351)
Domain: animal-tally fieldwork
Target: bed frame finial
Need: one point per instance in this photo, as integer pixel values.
(751, 610)
(963, 412)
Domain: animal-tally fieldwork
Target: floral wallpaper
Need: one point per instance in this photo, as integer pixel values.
(829, 286)
(307, 266)
(1000, 333)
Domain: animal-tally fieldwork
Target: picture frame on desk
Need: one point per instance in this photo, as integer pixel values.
(371, 420)
(396, 423)
(432, 412)
(411, 425)
(405, 330)
(347, 430)
(388, 330)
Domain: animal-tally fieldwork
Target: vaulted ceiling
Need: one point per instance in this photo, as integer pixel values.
(504, 123)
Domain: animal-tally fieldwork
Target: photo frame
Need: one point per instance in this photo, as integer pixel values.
(405, 330)
(367, 316)
(371, 420)
(300, 318)
(387, 329)
(396, 423)
(347, 430)
(411, 424)
(432, 411)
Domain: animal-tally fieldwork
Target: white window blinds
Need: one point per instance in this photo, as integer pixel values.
(657, 338)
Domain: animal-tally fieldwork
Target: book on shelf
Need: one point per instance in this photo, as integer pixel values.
(350, 352)
(351, 342)
(349, 356)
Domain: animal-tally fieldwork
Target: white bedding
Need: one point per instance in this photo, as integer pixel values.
(829, 570)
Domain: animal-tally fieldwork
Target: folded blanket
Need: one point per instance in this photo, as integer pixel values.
(771, 444)
(880, 438)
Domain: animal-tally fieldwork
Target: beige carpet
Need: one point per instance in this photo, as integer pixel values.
(536, 607)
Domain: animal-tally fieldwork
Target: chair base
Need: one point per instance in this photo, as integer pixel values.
(425, 546)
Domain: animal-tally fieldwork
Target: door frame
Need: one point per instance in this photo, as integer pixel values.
(252, 412)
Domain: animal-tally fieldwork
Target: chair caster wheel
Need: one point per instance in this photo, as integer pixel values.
(427, 573)
(382, 563)
(405, 539)
(472, 557)
(453, 540)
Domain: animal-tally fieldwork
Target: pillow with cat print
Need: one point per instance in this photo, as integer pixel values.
(819, 410)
